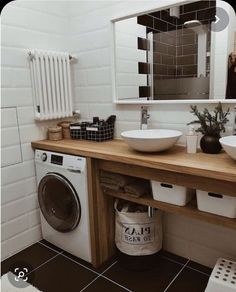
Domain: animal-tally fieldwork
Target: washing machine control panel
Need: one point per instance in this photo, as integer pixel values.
(70, 162)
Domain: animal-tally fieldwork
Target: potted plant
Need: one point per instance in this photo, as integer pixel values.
(211, 125)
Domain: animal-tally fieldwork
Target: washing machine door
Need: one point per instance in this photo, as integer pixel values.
(59, 202)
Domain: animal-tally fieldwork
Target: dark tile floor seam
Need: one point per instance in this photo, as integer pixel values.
(62, 253)
(48, 247)
(102, 276)
(194, 269)
(90, 283)
(87, 268)
(105, 277)
(49, 260)
(176, 276)
(173, 261)
(112, 281)
(201, 272)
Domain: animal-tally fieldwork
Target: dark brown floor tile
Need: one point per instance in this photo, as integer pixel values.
(173, 257)
(50, 245)
(156, 279)
(100, 269)
(33, 256)
(103, 285)
(199, 267)
(60, 275)
(189, 280)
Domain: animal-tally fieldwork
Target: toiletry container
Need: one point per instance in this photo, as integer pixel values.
(216, 204)
(223, 277)
(192, 139)
(172, 194)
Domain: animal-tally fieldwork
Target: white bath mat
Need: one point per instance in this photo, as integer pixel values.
(6, 285)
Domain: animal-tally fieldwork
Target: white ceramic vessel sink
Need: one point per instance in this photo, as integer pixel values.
(151, 140)
(229, 145)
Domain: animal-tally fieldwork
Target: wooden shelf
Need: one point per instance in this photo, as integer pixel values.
(190, 210)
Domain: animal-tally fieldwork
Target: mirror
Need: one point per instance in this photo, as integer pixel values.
(179, 53)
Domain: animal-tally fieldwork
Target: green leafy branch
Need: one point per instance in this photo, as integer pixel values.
(210, 124)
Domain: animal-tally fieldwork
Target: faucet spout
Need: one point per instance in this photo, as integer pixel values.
(144, 117)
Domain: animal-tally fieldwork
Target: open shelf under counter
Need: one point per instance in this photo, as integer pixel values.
(190, 210)
(206, 172)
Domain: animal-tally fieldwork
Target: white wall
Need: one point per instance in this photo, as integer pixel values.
(127, 58)
(25, 25)
(90, 37)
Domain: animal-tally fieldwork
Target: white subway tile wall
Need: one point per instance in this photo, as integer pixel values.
(83, 28)
(25, 26)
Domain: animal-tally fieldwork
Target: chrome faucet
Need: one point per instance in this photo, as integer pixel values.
(144, 117)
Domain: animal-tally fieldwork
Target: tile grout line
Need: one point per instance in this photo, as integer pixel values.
(49, 247)
(127, 289)
(108, 279)
(103, 276)
(108, 268)
(176, 262)
(196, 270)
(176, 276)
(43, 264)
(90, 283)
(173, 261)
(80, 264)
(97, 277)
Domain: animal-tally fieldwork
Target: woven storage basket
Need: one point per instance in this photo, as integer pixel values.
(55, 133)
(78, 130)
(65, 129)
(100, 133)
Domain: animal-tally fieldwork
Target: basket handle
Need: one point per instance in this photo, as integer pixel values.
(214, 195)
(166, 186)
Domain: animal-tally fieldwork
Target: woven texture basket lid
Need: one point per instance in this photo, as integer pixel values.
(64, 124)
(54, 129)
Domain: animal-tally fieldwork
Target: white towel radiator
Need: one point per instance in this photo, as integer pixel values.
(51, 83)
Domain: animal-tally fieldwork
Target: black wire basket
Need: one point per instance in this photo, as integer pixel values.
(100, 133)
(78, 130)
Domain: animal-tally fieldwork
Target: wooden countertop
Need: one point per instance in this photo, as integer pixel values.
(218, 166)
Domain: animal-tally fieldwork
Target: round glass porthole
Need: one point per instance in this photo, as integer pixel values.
(59, 202)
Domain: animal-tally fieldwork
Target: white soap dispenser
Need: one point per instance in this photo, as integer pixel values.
(192, 139)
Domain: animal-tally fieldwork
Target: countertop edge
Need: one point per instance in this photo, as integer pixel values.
(127, 160)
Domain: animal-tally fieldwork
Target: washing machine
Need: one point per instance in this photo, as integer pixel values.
(63, 201)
